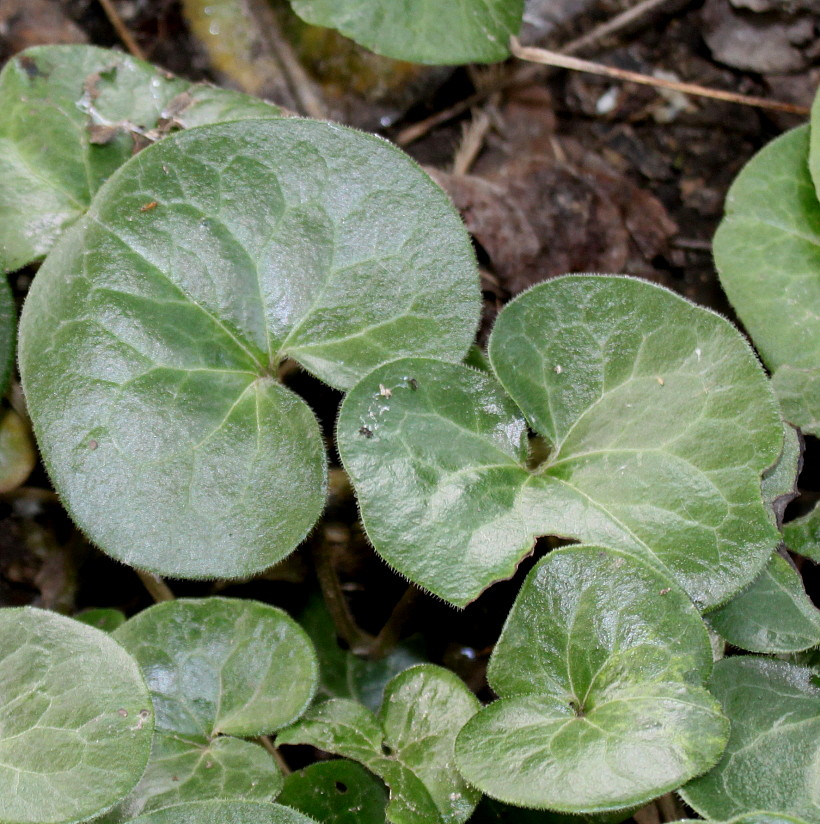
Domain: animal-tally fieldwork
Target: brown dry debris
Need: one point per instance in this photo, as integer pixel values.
(25, 23)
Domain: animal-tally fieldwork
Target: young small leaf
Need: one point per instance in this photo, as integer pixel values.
(599, 669)
(216, 668)
(69, 117)
(599, 365)
(161, 331)
(409, 745)
(336, 792)
(802, 535)
(772, 760)
(224, 812)
(102, 618)
(773, 615)
(767, 251)
(75, 719)
(422, 31)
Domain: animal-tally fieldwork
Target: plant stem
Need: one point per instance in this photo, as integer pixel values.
(122, 30)
(566, 61)
(157, 588)
(266, 742)
(391, 632)
(333, 535)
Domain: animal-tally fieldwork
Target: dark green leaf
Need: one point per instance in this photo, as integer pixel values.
(69, 117)
(216, 668)
(336, 792)
(599, 669)
(409, 745)
(225, 812)
(75, 719)
(600, 365)
(773, 756)
(773, 615)
(105, 619)
(161, 329)
(779, 484)
(490, 811)
(767, 250)
(802, 535)
(422, 31)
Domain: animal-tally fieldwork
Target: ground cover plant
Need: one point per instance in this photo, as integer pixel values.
(198, 246)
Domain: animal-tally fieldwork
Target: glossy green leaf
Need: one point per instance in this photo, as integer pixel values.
(773, 615)
(767, 250)
(102, 618)
(17, 453)
(336, 792)
(422, 31)
(161, 330)
(772, 761)
(8, 323)
(69, 117)
(345, 675)
(409, 745)
(599, 365)
(75, 719)
(225, 812)
(217, 668)
(599, 670)
(802, 535)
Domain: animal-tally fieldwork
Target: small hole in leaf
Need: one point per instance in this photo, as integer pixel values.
(341, 787)
(387, 749)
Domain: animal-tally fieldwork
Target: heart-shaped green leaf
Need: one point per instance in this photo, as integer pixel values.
(160, 332)
(422, 31)
(773, 615)
(69, 117)
(599, 669)
(225, 812)
(336, 792)
(600, 366)
(767, 251)
(409, 745)
(772, 760)
(8, 323)
(802, 535)
(217, 668)
(75, 719)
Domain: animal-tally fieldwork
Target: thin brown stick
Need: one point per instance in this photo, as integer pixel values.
(122, 30)
(322, 546)
(565, 61)
(391, 632)
(265, 741)
(157, 588)
(472, 140)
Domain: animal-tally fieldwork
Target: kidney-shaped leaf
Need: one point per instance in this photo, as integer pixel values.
(69, 117)
(217, 668)
(409, 745)
(151, 337)
(773, 615)
(75, 719)
(600, 366)
(772, 761)
(599, 668)
(336, 792)
(422, 31)
(767, 251)
(224, 812)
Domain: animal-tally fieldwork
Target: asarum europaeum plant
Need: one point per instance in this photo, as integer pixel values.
(177, 280)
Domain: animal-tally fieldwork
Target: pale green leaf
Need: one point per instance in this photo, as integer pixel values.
(75, 719)
(767, 251)
(599, 670)
(160, 332)
(772, 761)
(600, 366)
(814, 148)
(69, 116)
(224, 812)
(773, 615)
(336, 792)
(422, 31)
(8, 323)
(216, 668)
(409, 745)
(802, 535)
(17, 453)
